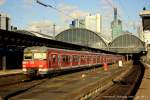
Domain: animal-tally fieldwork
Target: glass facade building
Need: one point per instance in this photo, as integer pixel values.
(116, 26)
(91, 22)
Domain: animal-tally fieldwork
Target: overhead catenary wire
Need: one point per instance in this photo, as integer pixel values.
(134, 25)
(112, 5)
(125, 10)
(50, 6)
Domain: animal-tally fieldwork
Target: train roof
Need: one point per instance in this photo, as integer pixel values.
(44, 49)
(36, 48)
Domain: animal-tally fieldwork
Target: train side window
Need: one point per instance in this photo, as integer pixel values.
(82, 58)
(94, 59)
(65, 58)
(88, 58)
(98, 58)
(75, 58)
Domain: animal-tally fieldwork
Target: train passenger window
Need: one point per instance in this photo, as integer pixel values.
(75, 58)
(65, 58)
(88, 58)
(94, 58)
(82, 58)
(85, 58)
(98, 58)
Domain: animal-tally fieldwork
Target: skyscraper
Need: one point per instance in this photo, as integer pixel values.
(116, 25)
(78, 23)
(91, 22)
(5, 22)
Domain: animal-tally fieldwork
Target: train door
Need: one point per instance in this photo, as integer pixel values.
(54, 60)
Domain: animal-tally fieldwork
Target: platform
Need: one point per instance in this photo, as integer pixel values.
(10, 72)
(143, 92)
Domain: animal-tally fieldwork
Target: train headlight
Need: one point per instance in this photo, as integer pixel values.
(24, 62)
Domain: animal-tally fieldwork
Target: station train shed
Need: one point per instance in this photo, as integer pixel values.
(82, 36)
(127, 44)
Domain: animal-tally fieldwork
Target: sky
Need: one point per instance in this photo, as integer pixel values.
(27, 14)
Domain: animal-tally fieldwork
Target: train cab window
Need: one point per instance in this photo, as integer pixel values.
(28, 56)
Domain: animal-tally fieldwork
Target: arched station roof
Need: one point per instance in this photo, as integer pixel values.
(83, 37)
(127, 43)
(33, 33)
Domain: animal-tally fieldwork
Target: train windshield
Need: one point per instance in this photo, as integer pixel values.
(28, 56)
(39, 56)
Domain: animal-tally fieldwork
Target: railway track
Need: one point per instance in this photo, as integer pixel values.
(18, 87)
(70, 86)
(125, 88)
(13, 84)
(11, 79)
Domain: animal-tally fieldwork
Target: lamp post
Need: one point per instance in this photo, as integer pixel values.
(54, 31)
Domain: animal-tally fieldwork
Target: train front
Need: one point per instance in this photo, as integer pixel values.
(35, 61)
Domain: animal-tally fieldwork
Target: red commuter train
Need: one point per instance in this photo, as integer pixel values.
(43, 60)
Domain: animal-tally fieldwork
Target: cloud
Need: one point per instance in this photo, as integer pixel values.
(45, 27)
(2, 2)
(70, 12)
